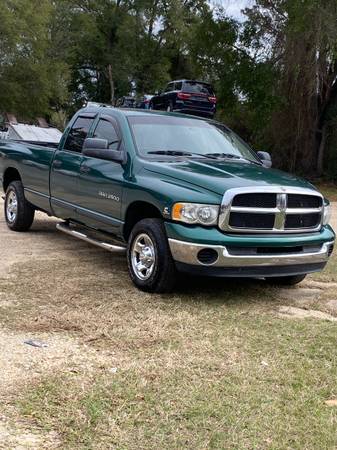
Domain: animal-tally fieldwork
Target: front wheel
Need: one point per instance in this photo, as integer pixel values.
(286, 281)
(150, 263)
(19, 213)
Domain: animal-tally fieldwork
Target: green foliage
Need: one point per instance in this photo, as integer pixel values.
(31, 78)
(274, 74)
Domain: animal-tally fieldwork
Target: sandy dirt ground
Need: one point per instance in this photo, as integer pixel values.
(22, 364)
(36, 255)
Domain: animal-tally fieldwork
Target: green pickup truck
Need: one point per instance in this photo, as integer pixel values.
(177, 193)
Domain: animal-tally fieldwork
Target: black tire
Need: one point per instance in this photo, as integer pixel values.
(286, 281)
(23, 218)
(169, 107)
(151, 107)
(163, 276)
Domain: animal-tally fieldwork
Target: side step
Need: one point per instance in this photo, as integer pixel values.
(94, 239)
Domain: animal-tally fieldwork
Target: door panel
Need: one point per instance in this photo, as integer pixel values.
(64, 183)
(100, 182)
(100, 194)
(64, 188)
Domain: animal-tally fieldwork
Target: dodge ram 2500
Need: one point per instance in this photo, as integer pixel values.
(177, 193)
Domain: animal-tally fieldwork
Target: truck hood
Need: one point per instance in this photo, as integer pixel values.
(219, 176)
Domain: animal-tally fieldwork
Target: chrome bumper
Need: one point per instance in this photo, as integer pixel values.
(187, 253)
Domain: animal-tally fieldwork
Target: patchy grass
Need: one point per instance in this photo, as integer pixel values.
(210, 366)
(253, 383)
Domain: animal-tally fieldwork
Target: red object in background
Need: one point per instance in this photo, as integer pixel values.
(212, 99)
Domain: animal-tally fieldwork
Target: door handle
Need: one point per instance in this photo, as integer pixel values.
(84, 169)
(57, 163)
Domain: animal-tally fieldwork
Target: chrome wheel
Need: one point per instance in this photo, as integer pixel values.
(11, 206)
(143, 256)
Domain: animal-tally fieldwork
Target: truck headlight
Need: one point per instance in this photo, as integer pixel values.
(327, 214)
(195, 213)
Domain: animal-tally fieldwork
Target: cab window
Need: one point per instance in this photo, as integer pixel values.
(106, 130)
(78, 134)
(169, 87)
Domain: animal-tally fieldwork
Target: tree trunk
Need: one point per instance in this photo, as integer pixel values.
(112, 85)
(321, 150)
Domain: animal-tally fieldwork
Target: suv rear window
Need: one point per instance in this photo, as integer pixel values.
(197, 88)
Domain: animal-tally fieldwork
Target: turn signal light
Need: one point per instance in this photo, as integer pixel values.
(176, 211)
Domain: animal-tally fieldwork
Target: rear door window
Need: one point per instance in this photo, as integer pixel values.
(78, 133)
(198, 88)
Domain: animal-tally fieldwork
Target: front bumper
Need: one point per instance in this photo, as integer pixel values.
(187, 253)
(234, 255)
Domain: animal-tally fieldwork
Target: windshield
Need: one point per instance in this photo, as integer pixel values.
(178, 134)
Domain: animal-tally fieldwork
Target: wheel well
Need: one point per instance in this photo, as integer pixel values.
(10, 175)
(136, 212)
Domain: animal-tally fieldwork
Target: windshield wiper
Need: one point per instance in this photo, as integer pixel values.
(201, 155)
(181, 153)
(233, 156)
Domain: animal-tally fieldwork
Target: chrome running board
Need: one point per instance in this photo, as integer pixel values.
(94, 240)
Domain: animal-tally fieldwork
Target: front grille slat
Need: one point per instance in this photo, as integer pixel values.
(255, 201)
(279, 211)
(304, 201)
(302, 221)
(247, 220)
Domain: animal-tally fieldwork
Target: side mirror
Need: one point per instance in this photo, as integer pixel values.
(99, 148)
(265, 159)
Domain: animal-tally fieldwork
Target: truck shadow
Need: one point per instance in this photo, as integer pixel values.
(187, 287)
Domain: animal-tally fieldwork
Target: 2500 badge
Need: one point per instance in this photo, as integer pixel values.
(113, 197)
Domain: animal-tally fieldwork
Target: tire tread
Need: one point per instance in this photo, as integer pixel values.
(26, 211)
(165, 275)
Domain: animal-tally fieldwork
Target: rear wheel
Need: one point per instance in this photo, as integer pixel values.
(286, 281)
(19, 213)
(150, 263)
(169, 107)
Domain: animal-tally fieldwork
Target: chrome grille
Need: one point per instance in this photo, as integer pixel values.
(271, 210)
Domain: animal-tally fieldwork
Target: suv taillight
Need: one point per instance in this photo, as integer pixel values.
(183, 96)
(212, 99)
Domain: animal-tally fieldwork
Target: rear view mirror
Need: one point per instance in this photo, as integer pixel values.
(99, 148)
(265, 159)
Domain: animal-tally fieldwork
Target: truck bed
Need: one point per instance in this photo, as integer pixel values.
(38, 143)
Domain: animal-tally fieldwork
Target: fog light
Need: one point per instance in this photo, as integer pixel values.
(207, 256)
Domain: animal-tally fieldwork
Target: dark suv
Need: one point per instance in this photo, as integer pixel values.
(126, 102)
(186, 96)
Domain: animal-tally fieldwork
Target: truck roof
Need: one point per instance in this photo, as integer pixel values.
(111, 110)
